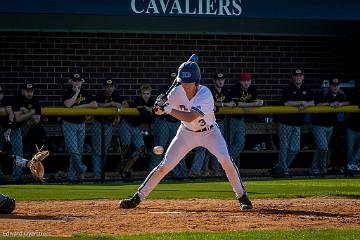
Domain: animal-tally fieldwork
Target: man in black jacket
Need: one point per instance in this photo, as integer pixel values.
(299, 95)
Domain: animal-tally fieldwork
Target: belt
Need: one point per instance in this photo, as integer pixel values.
(205, 129)
(201, 130)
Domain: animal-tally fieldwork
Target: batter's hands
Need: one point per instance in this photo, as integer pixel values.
(162, 97)
(159, 107)
(158, 111)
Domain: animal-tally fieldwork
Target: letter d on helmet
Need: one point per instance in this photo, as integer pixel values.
(189, 72)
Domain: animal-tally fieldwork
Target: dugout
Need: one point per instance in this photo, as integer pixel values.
(141, 41)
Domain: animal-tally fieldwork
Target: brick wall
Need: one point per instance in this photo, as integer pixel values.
(48, 59)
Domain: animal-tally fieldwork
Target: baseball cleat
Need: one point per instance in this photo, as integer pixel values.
(245, 203)
(130, 202)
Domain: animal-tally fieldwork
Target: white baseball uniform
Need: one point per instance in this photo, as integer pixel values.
(201, 132)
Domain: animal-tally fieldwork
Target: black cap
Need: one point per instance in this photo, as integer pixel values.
(297, 72)
(77, 77)
(219, 76)
(108, 82)
(28, 86)
(334, 81)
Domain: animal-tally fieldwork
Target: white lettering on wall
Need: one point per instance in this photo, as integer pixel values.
(188, 7)
(133, 7)
(237, 7)
(210, 9)
(163, 6)
(200, 7)
(176, 5)
(224, 7)
(152, 5)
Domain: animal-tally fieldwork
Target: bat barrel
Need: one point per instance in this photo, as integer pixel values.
(193, 58)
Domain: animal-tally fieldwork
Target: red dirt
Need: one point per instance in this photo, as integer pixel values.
(64, 218)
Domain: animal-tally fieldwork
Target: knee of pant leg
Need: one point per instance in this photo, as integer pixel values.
(226, 164)
(223, 156)
(224, 160)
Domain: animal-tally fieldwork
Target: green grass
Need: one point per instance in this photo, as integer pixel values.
(216, 190)
(349, 187)
(350, 234)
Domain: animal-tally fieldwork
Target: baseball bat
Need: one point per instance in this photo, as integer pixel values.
(193, 58)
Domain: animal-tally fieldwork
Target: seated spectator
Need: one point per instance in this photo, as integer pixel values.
(130, 128)
(74, 126)
(323, 124)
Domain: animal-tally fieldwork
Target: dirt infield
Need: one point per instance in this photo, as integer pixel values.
(64, 218)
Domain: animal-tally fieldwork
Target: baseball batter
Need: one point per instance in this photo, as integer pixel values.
(193, 105)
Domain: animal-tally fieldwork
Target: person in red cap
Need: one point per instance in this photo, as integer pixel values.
(244, 94)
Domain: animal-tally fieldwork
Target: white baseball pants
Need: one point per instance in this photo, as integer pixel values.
(184, 141)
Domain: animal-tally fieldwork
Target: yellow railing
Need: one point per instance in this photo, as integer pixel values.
(58, 111)
(283, 109)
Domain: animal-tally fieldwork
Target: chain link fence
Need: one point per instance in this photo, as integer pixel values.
(259, 145)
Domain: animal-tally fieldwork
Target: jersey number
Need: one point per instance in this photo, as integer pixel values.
(202, 122)
(183, 108)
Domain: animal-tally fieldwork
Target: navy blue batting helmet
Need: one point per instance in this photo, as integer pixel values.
(189, 72)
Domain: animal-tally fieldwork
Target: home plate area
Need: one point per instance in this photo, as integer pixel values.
(65, 218)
